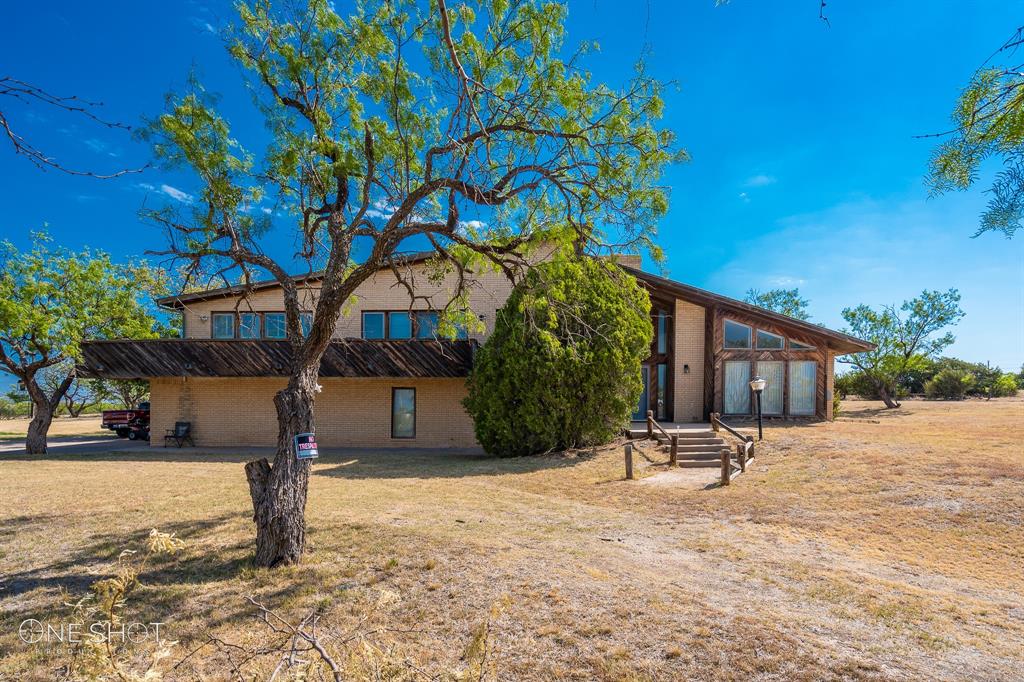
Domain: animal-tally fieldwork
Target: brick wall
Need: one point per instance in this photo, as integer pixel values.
(240, 411)
(689, 350)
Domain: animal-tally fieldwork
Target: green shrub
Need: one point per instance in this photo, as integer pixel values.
(562, 368)
(837, 404)
(949, 384)
(1005, 385)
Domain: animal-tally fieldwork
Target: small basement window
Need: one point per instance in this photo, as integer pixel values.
(736, 335)
(769, 341)
(403, 412)
(223, 325)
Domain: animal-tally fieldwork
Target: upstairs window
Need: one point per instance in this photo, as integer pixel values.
(662, 332)
(306, 323)
(737, 335)
(796, 345)
(373, 325)
(426, 324)
(769, 341)
(223, 325)
(399, 325)
(249, 326)
(274, 326)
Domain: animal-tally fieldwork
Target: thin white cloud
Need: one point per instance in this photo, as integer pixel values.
(744, 197)
(177, 194)
(759, 180)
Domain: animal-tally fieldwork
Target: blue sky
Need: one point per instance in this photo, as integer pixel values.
(805, 170)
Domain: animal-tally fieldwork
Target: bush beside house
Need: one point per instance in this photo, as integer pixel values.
(562, 368)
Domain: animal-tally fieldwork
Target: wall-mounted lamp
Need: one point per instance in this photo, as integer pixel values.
(204, 317)
(686, 369)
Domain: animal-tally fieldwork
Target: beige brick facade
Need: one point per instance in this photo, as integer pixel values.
(689, 353)
(349, 412)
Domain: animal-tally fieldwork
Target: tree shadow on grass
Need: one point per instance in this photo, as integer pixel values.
(430, 463)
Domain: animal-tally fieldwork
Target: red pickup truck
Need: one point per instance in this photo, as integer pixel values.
(130, 424)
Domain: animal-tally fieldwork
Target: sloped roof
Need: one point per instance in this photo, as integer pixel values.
(178, 300)
(411, 358)
(844, 343)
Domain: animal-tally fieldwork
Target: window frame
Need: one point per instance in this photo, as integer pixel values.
(803, 346)
(750, 335)
(395, 389)
(757, 341)
(412, 327)
(383, 324)
(417, 314)
(284, 326)
(414, 324)
(213, 325)
(259, 325)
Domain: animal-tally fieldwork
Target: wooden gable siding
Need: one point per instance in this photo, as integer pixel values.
(822, 355)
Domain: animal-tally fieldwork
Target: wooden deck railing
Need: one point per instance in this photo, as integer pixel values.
(744, 449)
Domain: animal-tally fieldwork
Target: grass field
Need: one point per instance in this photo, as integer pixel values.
(86, 425)
(888, 544)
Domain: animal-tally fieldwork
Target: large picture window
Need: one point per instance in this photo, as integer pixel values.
(737, 387)
(403, 412)
(803, 387)
(736, 335)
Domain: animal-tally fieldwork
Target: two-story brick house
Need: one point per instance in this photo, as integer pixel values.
(387, 381)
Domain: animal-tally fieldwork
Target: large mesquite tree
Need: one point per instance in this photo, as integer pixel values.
(463, 128)
(52, 299)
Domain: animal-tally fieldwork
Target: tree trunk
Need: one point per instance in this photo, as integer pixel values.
(279, 491)
(35, 441)
(889, 401)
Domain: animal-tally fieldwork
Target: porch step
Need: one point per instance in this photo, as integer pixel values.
(698, 454)
(703, 444)
(700, 463)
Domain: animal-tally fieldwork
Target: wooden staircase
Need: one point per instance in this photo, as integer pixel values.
(699, 446)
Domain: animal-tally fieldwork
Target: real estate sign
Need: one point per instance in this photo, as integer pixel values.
(305, 446)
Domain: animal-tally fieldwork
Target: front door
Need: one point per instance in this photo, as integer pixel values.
(642, 406)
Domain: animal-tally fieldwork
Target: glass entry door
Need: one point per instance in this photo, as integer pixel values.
(773, 372)
(737, 387)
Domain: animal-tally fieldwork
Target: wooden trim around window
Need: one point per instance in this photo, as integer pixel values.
(414, 412)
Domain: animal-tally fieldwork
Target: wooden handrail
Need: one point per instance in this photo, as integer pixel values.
(716, 422)
(651, 424)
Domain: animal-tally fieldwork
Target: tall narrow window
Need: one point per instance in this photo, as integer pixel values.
(223, 325)
(274, 326)
(249, 326)
(373, 325)
(736, 335)
(403, 412)
(662, 384)
(426, 324)
(662, 332)
(399, 325)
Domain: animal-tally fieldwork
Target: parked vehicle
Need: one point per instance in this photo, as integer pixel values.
(130, 424)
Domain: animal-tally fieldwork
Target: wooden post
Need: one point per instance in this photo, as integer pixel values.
(726, 466)
(650, 423)
(673, 455)
(741, 454)
(629, 461)
(714, 422)
(750, 451)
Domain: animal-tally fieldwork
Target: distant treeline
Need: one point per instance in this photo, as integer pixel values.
(941, 379)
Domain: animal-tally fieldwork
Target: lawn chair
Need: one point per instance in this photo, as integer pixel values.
(180, 434)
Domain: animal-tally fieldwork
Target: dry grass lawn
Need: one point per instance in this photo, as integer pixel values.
(888, 544)
(62, 427)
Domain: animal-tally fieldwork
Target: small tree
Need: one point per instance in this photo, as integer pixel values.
(562, 368)
(904, 338)
(949, 384)
(466, 129)
(52, 299)
(1005, 386)
(128, 392)
(785, 301)
(80, 395)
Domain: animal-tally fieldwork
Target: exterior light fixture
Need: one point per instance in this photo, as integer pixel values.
(686, 369)
(757, 385)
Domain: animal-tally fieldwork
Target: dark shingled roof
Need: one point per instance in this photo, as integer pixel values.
(262, 358)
